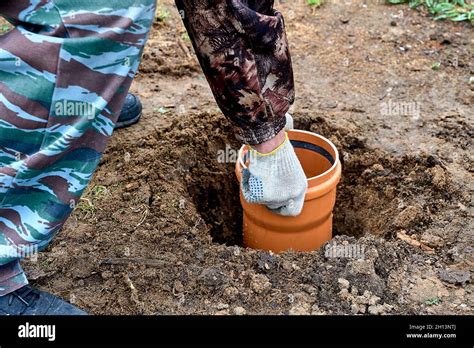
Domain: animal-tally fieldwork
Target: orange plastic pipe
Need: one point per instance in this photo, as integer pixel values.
(308, 231)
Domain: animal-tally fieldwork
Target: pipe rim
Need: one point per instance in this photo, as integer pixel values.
(326, 140)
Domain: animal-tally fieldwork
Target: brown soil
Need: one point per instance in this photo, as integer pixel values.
(159, 229)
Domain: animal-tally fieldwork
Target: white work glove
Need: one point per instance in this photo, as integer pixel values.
(289, 122)
(276, 180)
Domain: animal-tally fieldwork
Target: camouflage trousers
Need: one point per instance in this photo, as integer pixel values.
(65, 70)
(243, 51)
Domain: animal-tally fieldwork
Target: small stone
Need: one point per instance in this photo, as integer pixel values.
(300, 309)
(211, 277)
(343, 283)
(432, 240)
(356, 309)
(328, 104)
(231, 292)
(376, 309)
(106, 275)
(344, 293)
(367, 294)
(311, 290)
(373, 300)
(361, 300)
(370, 254)
(222, 305)
(316, 311)
(236, 251)
(131, 186)
(286, 266)
(377, 168)
(223, 312)
(260, 283)
(361, 267)
(239, 311)
(438, 177)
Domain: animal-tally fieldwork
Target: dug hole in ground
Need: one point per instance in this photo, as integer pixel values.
(159, 229)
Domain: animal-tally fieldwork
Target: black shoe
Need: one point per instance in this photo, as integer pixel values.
(130, 113)
(30, 301)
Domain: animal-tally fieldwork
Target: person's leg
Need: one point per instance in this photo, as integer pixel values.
(65, 70)
(131, 112)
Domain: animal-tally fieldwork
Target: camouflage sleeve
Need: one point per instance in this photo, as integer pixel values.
(65, 70)
(243, 50)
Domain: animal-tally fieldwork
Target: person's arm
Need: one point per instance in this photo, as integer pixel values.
(242, 48)
(243, 51)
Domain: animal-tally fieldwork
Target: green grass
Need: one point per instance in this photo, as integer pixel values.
(436, 66)
(315, 2)
(433, 301)
(185, 37)
(87, 204)
(4, 28)
(454, 10)
(162, 13)
(44, 263)
(87, 208)
(161, 110)
(99, 190)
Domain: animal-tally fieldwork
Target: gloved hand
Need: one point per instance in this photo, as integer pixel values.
(276, 180)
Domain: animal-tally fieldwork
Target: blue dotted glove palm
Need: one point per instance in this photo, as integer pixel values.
(276, 180)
